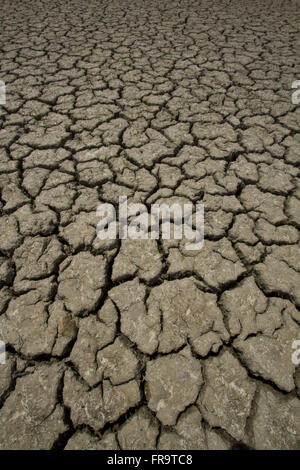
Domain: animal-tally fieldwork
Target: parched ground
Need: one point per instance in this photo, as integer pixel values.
(142, 344)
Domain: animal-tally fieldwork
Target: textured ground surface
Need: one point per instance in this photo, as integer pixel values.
(141, 344)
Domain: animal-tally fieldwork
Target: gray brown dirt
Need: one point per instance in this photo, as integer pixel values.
(139, 344)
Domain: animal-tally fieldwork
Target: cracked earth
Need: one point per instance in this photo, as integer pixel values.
(136, 344)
